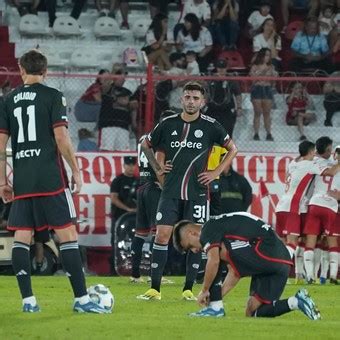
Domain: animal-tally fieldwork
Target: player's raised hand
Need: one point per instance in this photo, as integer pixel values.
(76, 183)
(203, 298)
(207, 177)
(6, 193)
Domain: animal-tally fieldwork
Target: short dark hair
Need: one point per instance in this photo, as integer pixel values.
(322, 143)
(176, 236)
(305, 147)
(194, 86)
(33, 62)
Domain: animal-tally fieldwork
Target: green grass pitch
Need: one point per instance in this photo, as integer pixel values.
(153, 320)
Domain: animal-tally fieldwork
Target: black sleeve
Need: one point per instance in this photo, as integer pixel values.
(211, 235)
(235, 88)
(247, 192)
(115, 185)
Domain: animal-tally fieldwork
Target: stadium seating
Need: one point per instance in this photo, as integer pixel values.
(234, 60)
(66, 26)
(140, 28)
(292, 28)
(31, 25)
(106, 27)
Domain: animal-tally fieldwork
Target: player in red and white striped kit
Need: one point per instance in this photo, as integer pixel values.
(292, 206)
(322, 213)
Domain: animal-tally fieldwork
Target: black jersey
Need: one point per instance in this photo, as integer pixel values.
(242, 230)
(146, 172)
(187, 145)
(29, 114)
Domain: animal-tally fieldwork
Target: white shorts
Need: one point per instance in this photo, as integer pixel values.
(114, 139)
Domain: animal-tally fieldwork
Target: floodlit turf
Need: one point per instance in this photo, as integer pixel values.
(153, 320)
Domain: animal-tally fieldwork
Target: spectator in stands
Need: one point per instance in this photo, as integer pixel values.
(192, 64)
(77, 8)
(298, 101)
(88, 106)
(308, 6)
(310, 48)
(226, 27)
(257, 18)
(268, 38)
(334, 35)
(86, 142)
(113, 4)
(156, 42)
(236, 192)
(50, 6)
(262, 92)
(26, 6)
(196, 38)
(158, 6)
(198, 7)
(332, 99)
(225, 98)
(115, 123)
(106, 8)
(326, 20)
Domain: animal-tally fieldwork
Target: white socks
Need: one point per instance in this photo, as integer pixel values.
(31, 300)
(333, 264)
(216, 305)
(317, 262)
(83, 299)
(299, 270)
(293, 303)
(308, 259)
(324, 264)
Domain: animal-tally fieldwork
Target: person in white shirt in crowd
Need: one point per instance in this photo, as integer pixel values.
(257, 18)
(322, 213)
(268, 38)
(192, 64)
(200, 8)
(197, 38)
(326, 20)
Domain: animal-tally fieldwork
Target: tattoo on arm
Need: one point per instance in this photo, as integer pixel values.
(3, 156)
(151, 158)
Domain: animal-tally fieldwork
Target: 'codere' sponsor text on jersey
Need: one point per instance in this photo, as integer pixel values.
(187, 146)
(29, 114)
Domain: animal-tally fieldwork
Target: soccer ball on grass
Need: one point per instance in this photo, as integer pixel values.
(102, 296)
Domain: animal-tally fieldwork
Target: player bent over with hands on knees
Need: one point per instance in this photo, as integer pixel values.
(251, 248)
(34, 116)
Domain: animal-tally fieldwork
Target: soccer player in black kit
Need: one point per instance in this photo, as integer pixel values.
(251, 248)
(186, 140)
(34, 116)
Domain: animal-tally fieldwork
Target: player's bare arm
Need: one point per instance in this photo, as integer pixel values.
(335, 194)
(211, 270)
(230, 281)
(65, 147)
(208, 176)
(159, 169)
(6, 191)
(332, 171)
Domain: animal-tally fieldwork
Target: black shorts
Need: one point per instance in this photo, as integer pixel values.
(147, 202)
(42, 212)
(269, 272)
(172, 210)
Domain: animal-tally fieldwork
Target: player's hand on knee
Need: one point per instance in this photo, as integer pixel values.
(203, 298)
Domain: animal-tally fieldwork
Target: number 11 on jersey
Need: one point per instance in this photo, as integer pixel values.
(31, 128)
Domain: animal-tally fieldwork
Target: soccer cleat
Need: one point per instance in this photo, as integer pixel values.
(323, 280)
(89, 307)
(334, 282)
(29, 308)
(136, 279)
(307, 305)
(188, 295)
(209, 312)
(150, 294)
(310, 281)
